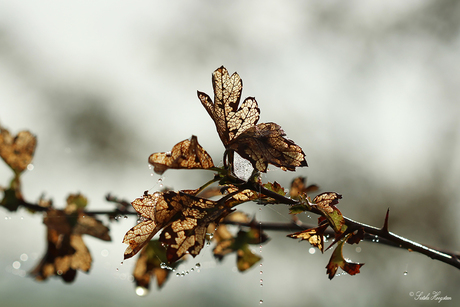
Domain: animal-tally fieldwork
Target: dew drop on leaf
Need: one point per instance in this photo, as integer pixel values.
(405, 273)
(198, 265)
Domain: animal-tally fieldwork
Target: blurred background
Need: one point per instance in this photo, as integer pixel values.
(368, 89)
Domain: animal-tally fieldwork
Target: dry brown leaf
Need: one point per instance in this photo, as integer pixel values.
(17, 151)
(261, 144)
(187, 154)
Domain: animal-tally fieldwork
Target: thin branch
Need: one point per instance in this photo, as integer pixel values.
(382, 234)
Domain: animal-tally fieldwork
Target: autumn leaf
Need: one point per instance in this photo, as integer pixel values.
(227, 243)
(66, 251)
(337, 261)
(325, 202)
(261, 144)
(230, 120)
(157, 209)
(187, 233)
(187, 154)
(314, 235)
(152, 263)
(17, 151)
(356, 236)
(299, 187)
(264, 144)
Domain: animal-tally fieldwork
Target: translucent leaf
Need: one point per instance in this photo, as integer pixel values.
(314, 235)
(262, 144)
(187, 154)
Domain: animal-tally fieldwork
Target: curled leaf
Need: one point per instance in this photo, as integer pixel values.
(228, 243)
(314, 235)
(299, 187)
(66, 251)
(264, 144)
(326, 202)
(17, 151)
(337, 261)
(261, 144)
(187, 154)
(151, 263)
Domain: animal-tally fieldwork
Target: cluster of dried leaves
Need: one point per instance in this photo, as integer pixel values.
(185, 219)
(66, 252)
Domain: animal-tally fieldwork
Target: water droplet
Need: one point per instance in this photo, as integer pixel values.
(182, 274)
(261, 285)
(260, 264)
(121, 263)
(141, 291)
(125, 217)
(22, 217)
(198, 265)
(405, 273)
(311, 250)
(358, 249)
(192, 269)
(163, 265)
(104, 253)
(16, 265)
(116, 269)
(261, 280)
(261, 302)
(30, 167)
(23, 257)
(177, 274)
(59, 272)
(261, 272)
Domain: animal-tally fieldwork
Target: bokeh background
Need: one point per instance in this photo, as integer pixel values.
(369, 89)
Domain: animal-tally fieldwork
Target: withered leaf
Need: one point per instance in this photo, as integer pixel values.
(227, 243)
(356, 236)
(299, 187)
(264, 144)
(314, 235)
(66, 252)
(184, 218)
(150, 264)
(261, 144)
(187, 154)
(337, 261)
(17, 151)
(187, 233)
(230, 120)
(326, 202)
(157, 209)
